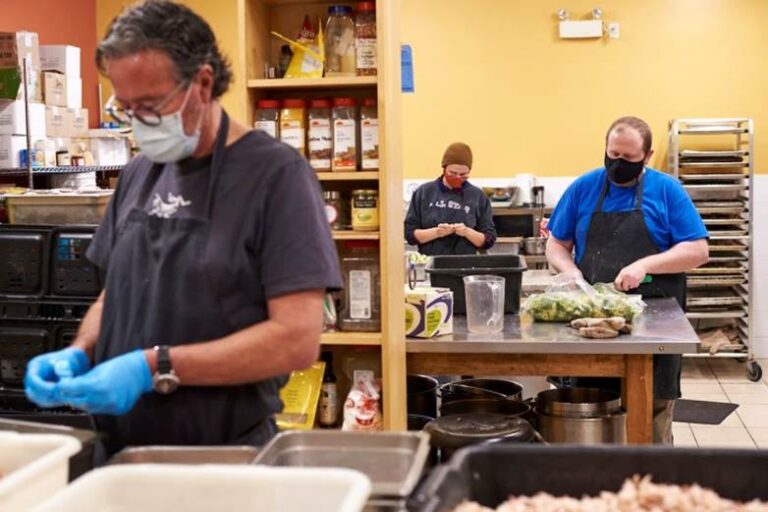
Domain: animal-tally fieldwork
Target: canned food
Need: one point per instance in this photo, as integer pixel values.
(365, 210)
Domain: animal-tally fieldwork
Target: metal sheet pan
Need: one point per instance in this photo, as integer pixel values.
(393, 461)
(186, 455)
(701, 192)
(693, 153)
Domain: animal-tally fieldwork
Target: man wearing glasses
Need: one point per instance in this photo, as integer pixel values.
(216, 250)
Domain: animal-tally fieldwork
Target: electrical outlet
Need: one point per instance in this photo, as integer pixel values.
(613, 30)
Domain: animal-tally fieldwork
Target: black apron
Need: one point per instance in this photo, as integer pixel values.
(158, 292)
(618, 239)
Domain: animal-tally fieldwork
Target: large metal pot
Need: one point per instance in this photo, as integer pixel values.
(509, 408)
(499, 389)
(421, 391)
(449, 433)
(581, 416)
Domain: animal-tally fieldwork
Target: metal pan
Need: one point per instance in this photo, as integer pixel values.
(186, 455)
(393, 461)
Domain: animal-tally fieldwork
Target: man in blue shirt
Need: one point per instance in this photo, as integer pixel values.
(624, 222)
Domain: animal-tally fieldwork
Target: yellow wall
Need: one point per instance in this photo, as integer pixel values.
(222, 16)
(494, 73)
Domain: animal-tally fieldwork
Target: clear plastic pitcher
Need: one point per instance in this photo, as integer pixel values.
(485, 303)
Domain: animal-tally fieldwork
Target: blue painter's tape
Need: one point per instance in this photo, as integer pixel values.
(406, 68)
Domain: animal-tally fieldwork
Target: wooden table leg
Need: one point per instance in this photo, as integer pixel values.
(638, 394)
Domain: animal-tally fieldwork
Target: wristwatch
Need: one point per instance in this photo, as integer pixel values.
(165, 381)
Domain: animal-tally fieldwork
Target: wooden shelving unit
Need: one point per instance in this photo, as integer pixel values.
(256, 19)
(319, 83)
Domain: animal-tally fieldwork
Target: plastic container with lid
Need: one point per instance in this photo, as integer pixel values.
(361, 311)
(320, 135)
(365, 39)
(268, 117)
(345, 142)
(293, 124)
(369, 135)
(340, 42)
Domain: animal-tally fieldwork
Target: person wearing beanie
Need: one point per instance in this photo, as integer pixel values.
(450, 215)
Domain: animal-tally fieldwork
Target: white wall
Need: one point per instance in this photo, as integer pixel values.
(554, 188)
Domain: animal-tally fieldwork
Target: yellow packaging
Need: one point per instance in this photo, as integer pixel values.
(300, 397)
(365, 210)
(428, 311)
(305, 64)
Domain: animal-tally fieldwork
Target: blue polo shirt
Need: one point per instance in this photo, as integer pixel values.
(669, 212)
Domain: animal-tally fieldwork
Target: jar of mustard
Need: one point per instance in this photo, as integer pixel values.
(365, 210)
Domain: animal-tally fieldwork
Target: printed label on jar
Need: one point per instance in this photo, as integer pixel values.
(292, 133)
(344, 146)
(269, 127)
(360, 294)
(320, 144)
(370, 141)
(329, 408)
(366, 53)
(331, 213)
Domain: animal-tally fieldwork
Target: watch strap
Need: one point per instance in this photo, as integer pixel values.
(163, 359)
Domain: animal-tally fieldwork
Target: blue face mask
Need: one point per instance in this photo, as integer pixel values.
(167, 141)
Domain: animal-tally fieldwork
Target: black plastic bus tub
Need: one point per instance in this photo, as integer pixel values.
(491, 474)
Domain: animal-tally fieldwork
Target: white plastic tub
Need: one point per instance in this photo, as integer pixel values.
(32, 467)
(166, 487)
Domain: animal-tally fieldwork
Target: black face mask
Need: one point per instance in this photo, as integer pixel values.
(622, 171)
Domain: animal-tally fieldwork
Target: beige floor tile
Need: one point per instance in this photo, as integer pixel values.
(753, 415)
(683, 435)
(750, 399)
(707, 397)
(700, 387)
(763, 445)
(732, 437)
(743, 389)
(759, 434)
(697, 369)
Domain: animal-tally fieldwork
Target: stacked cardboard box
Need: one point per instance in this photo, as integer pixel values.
(16, 50)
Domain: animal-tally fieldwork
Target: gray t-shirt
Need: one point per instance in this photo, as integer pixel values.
(269, 233)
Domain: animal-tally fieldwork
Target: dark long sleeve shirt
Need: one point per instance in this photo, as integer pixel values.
(433, 203)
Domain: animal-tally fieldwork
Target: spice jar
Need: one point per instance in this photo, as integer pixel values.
(365, 210)
(293, 124)
(344, 135)
(361, 310)
(369, 135)
(340, 42)
(267, 117)
(365, 39)
(320, 135)
(336, 210)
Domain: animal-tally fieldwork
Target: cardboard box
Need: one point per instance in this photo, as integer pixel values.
(13, 118)
(76, 122)
(55, 121)
(62, 58)
(11, 147)
(62, 91)
(428, 311)
(14, 46)
(78, 146)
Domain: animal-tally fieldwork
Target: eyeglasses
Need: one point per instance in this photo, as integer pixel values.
(149, 116)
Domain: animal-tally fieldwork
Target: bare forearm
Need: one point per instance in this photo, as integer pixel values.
(476, 238)
(559, 257)
(267, 349)
(88, 332)
(425, 236)
(680, 258)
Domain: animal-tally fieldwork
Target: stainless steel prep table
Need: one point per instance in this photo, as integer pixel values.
(556, 349)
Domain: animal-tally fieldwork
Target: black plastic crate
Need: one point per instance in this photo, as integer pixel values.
(17, 346)
(490, 474)
(24, 261)
(44, 310)
(449, 272)
(72, 275)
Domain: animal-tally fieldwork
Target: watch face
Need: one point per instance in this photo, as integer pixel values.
(165, 383)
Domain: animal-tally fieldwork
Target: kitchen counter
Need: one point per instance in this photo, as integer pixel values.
(661, 329)
(554, 349)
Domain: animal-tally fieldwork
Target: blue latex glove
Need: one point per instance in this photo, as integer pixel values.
(113, 387)
(45, 371)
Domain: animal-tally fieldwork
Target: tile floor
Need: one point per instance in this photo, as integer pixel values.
(725, 380)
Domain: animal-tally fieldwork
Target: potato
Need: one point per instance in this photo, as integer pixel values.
(598, 332)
